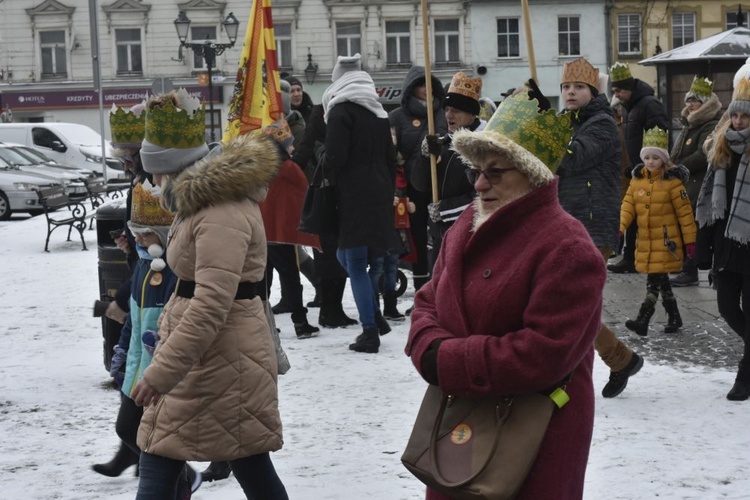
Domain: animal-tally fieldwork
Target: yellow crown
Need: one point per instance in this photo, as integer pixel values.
(701, 88)
(581, 71)
(146, 209)
(128, 127)
(279, 131)
(655, 138)
(543, 134)
(175, 125)
(742, 90)
(619, 72)
(464, 85)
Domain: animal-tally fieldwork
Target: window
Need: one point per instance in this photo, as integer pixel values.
(683, 28)
(128, 43)
(507, 37)
(569, 36)
(44, 138)
(732, 21)
(348, 38)
(52, 44)
(398, 42)
(201, 34)
(283, 34)
(629, 33)
(446, 40)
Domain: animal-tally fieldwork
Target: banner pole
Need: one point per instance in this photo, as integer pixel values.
(428, 85)
(529, 39)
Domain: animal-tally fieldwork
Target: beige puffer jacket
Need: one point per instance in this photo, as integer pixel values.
(216, 363)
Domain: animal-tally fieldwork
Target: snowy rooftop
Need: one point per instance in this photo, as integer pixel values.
(730, 44)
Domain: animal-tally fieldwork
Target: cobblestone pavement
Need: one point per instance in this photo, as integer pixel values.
(705, 339)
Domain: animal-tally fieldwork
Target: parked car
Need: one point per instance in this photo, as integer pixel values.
(18, 190)
(75, 185)
(67, 143)
(37, 156)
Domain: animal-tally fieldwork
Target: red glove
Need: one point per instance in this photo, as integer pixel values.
(690, 250)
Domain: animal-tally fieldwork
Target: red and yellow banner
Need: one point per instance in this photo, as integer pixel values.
(256, 99)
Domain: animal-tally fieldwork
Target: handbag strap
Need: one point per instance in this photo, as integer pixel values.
(502, 410)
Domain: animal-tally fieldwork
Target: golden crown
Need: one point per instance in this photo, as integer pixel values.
(655, 138)
(701, 87)
(128, 127)
(146, 209)
(742, 90)
(619, 72)
(279, 131)
(581, 71)
(181, 125)
(464, 85)
(544, 134)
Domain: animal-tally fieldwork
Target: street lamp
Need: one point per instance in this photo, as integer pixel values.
(208, 50)
(311, 71)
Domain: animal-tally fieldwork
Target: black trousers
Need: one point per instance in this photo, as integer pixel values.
(418, 221)
(128, 420)
(283, 258)
(733, 299)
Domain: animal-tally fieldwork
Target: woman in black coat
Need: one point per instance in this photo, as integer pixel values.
(361, 163)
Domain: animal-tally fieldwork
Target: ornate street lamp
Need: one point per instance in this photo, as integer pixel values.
(311, 71)
(208, 50)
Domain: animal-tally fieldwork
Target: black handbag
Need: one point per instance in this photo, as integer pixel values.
(319, 210)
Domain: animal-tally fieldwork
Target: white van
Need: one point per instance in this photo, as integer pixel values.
(67, 143)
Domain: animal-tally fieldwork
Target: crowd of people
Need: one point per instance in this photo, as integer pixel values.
(530, 205)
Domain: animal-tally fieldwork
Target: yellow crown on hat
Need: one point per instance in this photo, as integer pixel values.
(146, 209)
(581, 71)
(701, 88)
(543, 134)
(742, 90)
(279, 131)
(619, 72)
(175, 125)
(655, 138)
(466, 86)
(127, 127)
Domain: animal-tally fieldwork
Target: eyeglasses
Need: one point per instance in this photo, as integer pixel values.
(492, 174)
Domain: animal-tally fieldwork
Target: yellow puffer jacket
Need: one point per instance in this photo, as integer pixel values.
(661, 203)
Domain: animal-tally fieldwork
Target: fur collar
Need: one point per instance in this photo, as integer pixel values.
(242, 169)
(677, 172)
(705, 113)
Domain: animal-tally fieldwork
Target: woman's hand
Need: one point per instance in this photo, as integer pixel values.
(144, 394)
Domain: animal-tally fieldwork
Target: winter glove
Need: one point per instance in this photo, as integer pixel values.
(536, 93)
(690, 250)
(118, 361)
(150, 338)
(434, 210)
(429, 362)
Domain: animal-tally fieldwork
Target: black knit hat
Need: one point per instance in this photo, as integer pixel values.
(293, 80)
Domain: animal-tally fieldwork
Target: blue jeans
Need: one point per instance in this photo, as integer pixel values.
(354, 260)
(159, 477)
(387, 267)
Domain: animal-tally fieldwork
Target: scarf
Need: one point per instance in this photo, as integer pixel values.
(356, 87)
(712, 200)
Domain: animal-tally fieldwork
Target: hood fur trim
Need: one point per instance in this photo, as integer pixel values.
(244, 168)
(474, 146)
(705, 113)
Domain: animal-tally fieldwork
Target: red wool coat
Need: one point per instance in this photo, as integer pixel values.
(519, 304)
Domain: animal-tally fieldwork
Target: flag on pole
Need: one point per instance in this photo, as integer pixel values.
(256, 98)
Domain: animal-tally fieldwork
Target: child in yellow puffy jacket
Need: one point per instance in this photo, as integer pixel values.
(666, 229)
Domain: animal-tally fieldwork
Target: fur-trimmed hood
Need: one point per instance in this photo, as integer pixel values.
(677, 172)
(474, 145)
(705, 113)
(243, 168)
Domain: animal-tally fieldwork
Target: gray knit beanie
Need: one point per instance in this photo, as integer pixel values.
(286, 97)
(345, 64)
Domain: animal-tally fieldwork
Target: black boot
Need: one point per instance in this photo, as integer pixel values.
(390, 311)
(302, 328)
(688, 276)
(331, 313)
(283, 307)
(619, 380)
(624, 266)
(307, 268)
(368, 341)
(216, 471)
(383, 326)
(124, 458)
(640, 324)
(741, 389)
(674, 321)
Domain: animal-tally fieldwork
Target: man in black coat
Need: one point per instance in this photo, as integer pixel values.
(643, 111)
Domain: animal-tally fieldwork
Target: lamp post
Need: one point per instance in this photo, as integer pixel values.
(208, 50)
(311, 71)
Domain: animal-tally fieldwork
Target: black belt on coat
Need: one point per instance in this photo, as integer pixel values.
(245, 290)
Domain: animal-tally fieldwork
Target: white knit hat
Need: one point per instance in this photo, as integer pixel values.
(345, 64)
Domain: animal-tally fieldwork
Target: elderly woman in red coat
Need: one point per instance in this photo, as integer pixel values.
(514, 305)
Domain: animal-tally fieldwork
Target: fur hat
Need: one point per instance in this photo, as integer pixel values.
(280, 132)
(701, 89)
(740, 98)
(464, 93)
(621, 77)
(345, 64)
(286, 97)
(581, 71)
(655, 142)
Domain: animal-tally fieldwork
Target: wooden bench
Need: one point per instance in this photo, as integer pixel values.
(96, 190)
(54, 198)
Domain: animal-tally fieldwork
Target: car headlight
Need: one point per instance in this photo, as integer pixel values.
(91, 157)
(25, 186)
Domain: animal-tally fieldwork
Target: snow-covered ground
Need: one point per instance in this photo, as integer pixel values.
(347, 416)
